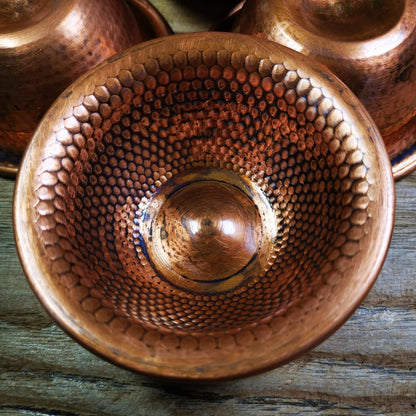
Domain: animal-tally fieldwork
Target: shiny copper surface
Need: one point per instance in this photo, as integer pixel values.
(204, 206)
(149, 19)
(47, 44)
(369, 44)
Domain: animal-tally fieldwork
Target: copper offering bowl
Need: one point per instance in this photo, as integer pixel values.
(47, 44)
(368, 44)
(204, 206)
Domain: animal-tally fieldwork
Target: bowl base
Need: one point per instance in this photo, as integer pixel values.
(9, 164)
(207, 230)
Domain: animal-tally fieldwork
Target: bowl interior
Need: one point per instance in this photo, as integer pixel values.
(204, 207)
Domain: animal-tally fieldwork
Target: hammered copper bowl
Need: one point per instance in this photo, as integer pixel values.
(47, 44)
(369, 44)
(204, 207)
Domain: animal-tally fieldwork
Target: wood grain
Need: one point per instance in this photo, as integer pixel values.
(367, 367)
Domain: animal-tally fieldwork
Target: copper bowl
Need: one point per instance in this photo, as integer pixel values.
(204, 206)
(369, 44)
(47, 44)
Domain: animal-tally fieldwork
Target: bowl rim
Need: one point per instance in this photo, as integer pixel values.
(34, 270)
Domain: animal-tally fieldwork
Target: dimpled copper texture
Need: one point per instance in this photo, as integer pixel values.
(368, 44)
(47, 44)
(204, 207)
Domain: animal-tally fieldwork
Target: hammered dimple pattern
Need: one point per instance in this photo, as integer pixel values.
(181, 112)
(47, 45)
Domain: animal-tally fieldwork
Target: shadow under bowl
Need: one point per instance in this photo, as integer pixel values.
(204, 207)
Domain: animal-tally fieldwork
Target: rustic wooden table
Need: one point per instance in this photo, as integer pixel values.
(367, 367)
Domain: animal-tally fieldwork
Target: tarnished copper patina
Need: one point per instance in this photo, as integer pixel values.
(204, 206)
(47, 44)
(369, 44)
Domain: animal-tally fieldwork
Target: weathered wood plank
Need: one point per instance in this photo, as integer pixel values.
(313, 382)
(377, 335)
(366, 367)
(396, 284)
